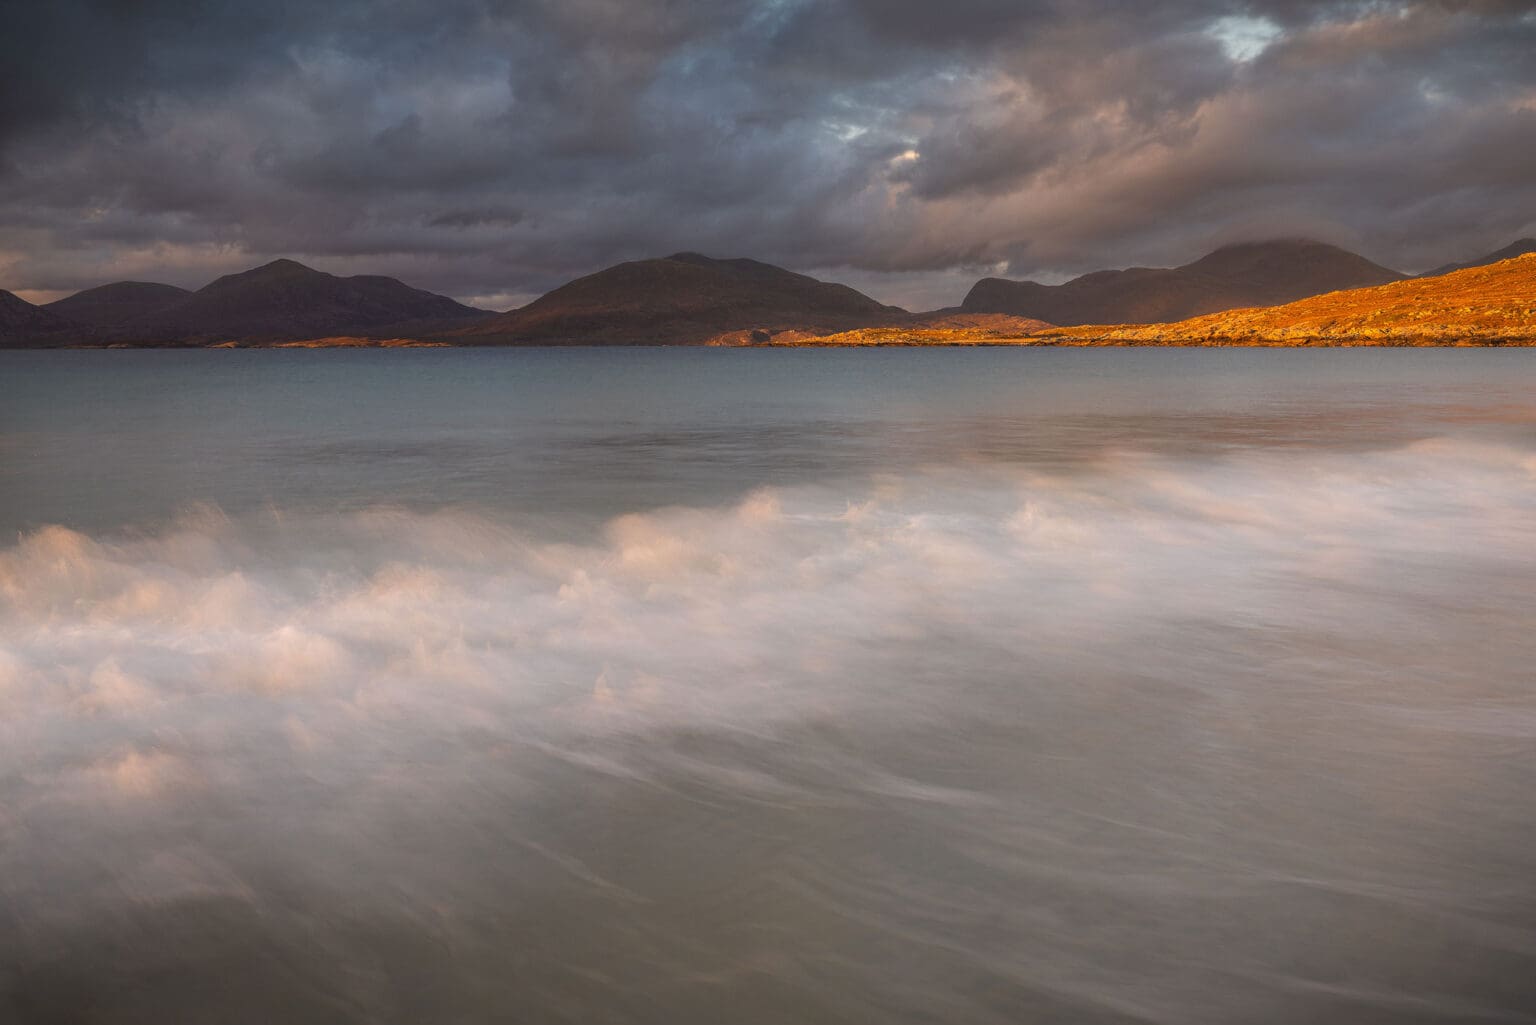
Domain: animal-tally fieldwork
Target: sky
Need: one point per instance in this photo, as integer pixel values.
(493, 149)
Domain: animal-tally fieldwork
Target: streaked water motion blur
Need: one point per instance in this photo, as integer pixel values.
(768, 687)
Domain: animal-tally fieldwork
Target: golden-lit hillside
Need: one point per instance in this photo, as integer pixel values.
(1491, 305)
(929, 329)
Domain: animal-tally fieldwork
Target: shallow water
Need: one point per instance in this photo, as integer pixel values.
(751, 686)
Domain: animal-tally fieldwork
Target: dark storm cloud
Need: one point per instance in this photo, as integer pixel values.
(493, 149)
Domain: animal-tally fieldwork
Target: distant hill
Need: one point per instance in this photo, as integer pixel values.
(1251, 274)
(287, 301)
(1509, 252)
(23, 325)
(1491, 305)
(685, 299)
(117, 303)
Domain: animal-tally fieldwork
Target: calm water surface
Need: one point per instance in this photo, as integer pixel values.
(703, 686)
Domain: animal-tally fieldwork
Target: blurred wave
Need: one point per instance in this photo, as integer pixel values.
(1235, 734)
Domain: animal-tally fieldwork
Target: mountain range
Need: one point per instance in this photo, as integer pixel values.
(1253, 274)
(285, 300)
(276, 302)
(683, 299)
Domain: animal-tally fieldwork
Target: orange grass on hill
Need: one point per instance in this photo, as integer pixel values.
(946, 329)
(1491, 305)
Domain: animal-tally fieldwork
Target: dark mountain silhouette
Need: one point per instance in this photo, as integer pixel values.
(1250, 274)
(1509, 252)
(685, 299)
(287, 301)
(117, 303)
(23, 325)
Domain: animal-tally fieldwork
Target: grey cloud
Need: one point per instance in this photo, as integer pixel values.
(484, 147)
(477, 219)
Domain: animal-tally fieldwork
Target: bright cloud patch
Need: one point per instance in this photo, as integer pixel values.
(1242, 37)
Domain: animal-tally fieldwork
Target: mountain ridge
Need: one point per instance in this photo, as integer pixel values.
(23, 325)
(683, 299)
(1231, 277)
(1519, 247)
(109, 305)
(284, 300)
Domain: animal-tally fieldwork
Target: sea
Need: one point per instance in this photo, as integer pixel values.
(738, 687)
